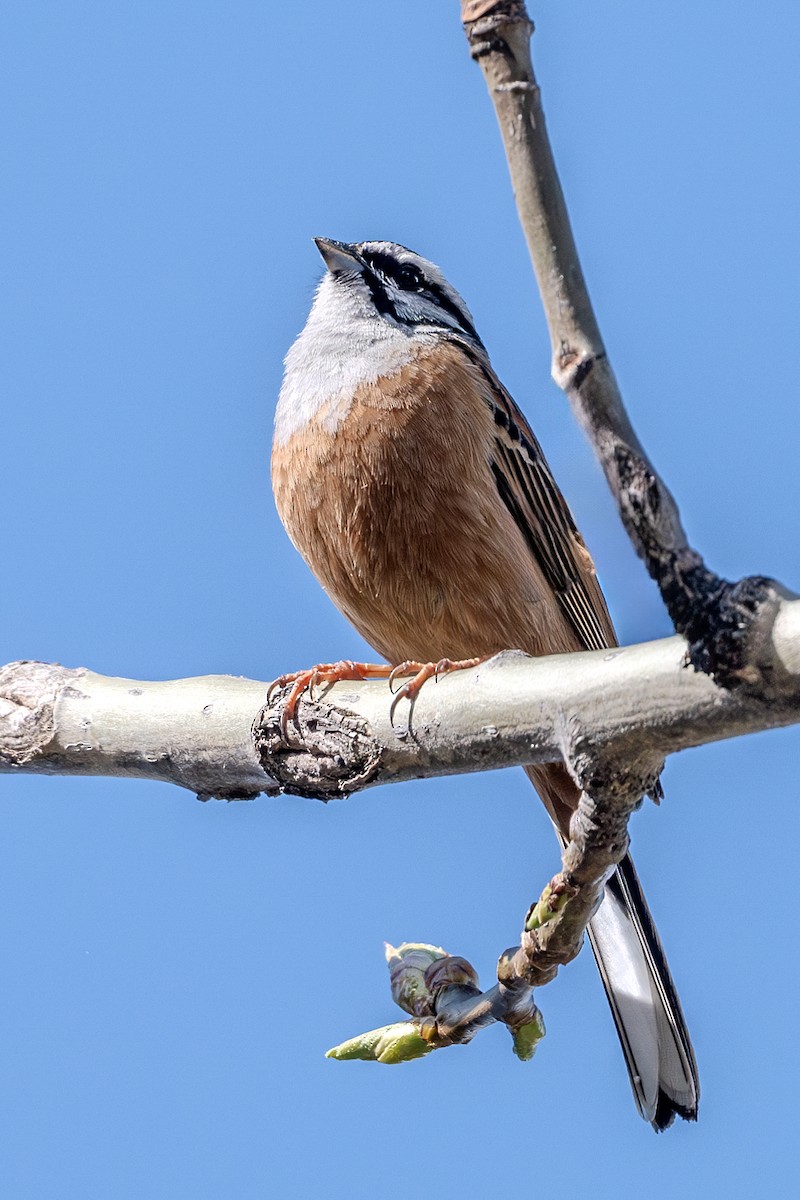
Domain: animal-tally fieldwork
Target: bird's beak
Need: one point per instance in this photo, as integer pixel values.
(339, 256)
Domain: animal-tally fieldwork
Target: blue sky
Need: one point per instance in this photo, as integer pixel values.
(173, 971)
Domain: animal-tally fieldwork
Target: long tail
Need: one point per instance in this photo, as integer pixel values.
(651, 1027)
(655, 1041)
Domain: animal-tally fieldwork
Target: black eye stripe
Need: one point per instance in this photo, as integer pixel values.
(380, 296)
(382, 264)
(444, 301)
(390, 268)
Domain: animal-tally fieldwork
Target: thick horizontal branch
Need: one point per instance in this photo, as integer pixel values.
(602, 711)
(617, 710)
(195, 733)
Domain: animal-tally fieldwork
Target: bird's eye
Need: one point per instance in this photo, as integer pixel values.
(410, 278)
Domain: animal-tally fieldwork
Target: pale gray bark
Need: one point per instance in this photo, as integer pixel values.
(192, 732)
(618, 710)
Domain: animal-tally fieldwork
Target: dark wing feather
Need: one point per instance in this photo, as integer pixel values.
(530, 493)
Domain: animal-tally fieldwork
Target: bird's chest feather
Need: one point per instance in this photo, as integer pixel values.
(387, 506)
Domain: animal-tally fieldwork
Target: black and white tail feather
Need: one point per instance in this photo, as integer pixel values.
(644, 1002)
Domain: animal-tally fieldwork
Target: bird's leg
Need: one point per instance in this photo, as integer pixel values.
(422, 672)
(310, 678)
(346, 669)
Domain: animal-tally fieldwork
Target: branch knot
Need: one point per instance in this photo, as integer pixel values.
(343, 756)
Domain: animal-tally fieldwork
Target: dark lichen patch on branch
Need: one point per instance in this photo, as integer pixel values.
(722, 622)
(640, 501)
(719, 619)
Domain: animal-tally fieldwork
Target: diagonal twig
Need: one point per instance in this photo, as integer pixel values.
(726, 624)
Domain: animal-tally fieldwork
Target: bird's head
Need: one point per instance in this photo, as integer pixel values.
(378, 305)
(385, 282)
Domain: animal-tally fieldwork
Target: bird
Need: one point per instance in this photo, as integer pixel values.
(413, 485)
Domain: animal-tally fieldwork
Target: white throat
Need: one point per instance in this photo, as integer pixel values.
(344, 344)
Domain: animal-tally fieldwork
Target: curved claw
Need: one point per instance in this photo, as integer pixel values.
(424, 672)
(408, 667)
(409, 691)
(399, 695)
(276, 685)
